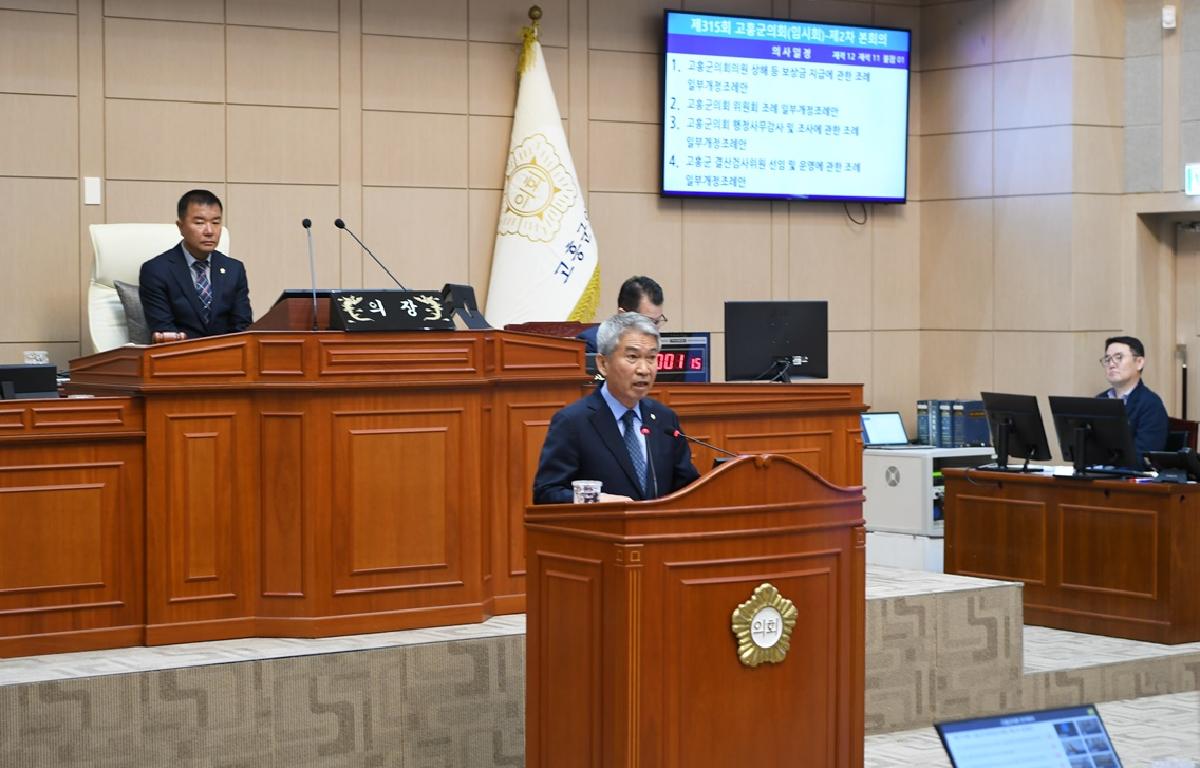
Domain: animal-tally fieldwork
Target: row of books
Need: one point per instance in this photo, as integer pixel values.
(952, 423)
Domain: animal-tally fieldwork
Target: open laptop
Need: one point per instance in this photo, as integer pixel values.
(1050, 738)
(885, 429)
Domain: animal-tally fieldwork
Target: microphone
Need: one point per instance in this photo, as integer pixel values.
(312, 268)
(342, 225)
(698, 441)
(650, 460)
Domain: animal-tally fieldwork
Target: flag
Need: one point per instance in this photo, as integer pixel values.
(545, 265)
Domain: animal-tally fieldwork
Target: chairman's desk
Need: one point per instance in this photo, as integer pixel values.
(282, 483)
(1108, 557)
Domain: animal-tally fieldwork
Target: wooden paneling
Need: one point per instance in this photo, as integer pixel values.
(38, 53)
(71, 526)
(1101, 557)
(160, 60)
(673, 691)
(301, 484)
(41, 138)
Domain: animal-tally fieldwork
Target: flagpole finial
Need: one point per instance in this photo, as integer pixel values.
(535, 13)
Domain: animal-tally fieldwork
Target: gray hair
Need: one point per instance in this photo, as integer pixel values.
(612, 329)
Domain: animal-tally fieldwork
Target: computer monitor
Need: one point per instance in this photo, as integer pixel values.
(1093, 433)
(1017, 429)
(1062, 736)
(776, 340)
(24, 382)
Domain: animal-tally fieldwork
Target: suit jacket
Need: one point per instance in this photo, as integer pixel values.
(584, 443)
(170, 301)
(1147, 418)
(588, 336)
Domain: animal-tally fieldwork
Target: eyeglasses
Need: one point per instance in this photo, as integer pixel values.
(1117, 359)
(659, 321)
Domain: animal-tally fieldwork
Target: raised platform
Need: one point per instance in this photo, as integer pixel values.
(938, 647)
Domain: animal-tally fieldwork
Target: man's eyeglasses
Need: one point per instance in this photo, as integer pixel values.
(659, 321)
(1117, 359)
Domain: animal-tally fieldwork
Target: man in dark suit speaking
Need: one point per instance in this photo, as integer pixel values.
(193, 288)
(617, 435)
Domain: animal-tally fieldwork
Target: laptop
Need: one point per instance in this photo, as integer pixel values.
(885, 429)
(1050, 738)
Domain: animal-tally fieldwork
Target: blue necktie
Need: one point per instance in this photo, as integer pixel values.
(635, 449)
(203, 287)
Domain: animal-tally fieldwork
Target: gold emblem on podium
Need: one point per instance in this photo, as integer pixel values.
(763, 626)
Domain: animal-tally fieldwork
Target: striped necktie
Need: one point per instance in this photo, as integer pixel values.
(203, 287)
(635, 449)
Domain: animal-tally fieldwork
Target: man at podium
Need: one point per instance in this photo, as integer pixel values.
(193, 288)
(629, 442)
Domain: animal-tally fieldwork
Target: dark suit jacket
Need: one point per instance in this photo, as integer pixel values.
(169, 295)
(584, 443)
(1147, 418)
(589, 338)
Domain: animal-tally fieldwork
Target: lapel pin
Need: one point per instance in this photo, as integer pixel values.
(653, 417)
(222, 270)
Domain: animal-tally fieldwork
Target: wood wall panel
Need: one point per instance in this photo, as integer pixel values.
(38, 53)
(142, 142)
(160, 60)
(284, 513)
(412, 74)
(283, 145)
(295, 14)
(282, 67)
(41, 138)
(176, 10)
(45, 243)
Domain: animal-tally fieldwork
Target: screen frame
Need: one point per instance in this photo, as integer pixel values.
(662, 109)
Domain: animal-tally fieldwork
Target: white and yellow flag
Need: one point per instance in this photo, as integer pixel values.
(545, 264)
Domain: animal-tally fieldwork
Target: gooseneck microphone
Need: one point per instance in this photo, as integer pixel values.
(342, 225)
(650, 461)
(698, 441)
(312, 268)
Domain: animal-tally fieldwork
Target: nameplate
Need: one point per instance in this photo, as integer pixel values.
(376, 310)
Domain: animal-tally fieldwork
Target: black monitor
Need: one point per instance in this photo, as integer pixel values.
(776, 340)
(1094, 434)
(1017, 429)
(23, 382)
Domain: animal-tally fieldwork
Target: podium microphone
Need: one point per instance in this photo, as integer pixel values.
(342, 225)
(650, 461)
(698, 441)
(312, 268)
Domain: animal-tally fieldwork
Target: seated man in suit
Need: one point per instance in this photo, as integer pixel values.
(638, 294)
(1124, 358)
(193, 288)
(617, 435)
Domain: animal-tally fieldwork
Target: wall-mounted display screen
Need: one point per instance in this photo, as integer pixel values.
(772, 108)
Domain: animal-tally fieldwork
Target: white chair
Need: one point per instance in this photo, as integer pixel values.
(121, 249)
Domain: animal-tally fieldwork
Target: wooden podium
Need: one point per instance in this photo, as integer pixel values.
(632, 660)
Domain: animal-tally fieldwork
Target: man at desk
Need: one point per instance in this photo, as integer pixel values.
(193, 288)
(617, 435)
(1124, 358)
(638, 294)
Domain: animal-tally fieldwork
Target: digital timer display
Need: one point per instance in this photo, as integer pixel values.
(683, 357)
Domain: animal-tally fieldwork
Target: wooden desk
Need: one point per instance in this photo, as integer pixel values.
(1104, 557)
(289, 483)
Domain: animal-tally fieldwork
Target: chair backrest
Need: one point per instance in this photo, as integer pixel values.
(1181, 433)
(120, 250)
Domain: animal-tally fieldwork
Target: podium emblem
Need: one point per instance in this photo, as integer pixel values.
(763, 626)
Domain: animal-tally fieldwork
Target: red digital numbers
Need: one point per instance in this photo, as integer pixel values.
(697, 364)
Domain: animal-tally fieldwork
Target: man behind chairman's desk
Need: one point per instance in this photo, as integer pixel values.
(609, 434)
(193, 288)
(1124, 358)
(638, 294)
